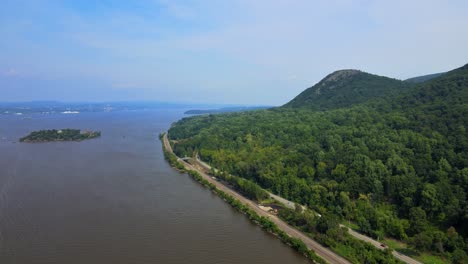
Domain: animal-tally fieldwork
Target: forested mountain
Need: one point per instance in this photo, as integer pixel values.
(424, 78)
(396, 165)
(345, 88)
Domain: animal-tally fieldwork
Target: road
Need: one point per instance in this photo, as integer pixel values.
(378, 244)
(291, 205)
(355, 234)
(323, 252)
(280, 199)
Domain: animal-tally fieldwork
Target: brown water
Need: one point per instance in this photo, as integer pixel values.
(114, 199)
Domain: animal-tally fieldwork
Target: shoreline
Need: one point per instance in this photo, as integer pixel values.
(402, 257)
(46, 141)
(270, 223)
(59, 135)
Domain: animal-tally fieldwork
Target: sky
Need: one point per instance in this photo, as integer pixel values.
(253, 52)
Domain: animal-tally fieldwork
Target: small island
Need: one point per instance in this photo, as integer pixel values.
(60, 135)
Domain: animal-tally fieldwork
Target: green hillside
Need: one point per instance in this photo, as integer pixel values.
(345, 88)
(424, 78)
(396, 165)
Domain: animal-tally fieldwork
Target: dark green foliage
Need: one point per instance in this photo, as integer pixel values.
(396, 165)
(345, 88)
(248, 188)
(59, 135)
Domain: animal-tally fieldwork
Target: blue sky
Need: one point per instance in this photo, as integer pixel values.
(237, 52)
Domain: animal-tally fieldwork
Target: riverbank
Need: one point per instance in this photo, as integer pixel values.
(271, 223)
(291, 205)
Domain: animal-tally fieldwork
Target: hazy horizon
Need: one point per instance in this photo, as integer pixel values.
(129, 102)
(235, 53)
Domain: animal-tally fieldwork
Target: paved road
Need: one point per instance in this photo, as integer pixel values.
(166, 143)
(320, 250)
(378, 245)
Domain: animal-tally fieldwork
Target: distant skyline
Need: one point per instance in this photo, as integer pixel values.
(228, 52)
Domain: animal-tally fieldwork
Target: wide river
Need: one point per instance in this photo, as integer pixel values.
(114, 199)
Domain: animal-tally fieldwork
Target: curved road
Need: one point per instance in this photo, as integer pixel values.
(325, 253)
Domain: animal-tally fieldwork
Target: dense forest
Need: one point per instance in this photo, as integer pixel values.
(395, 162)
(59, 135)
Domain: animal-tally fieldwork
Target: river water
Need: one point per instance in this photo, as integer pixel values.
(114, 199)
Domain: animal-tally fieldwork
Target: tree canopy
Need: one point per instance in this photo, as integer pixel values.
(60, 135)
(395, 164)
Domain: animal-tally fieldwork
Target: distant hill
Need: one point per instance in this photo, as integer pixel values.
(424, 78)
(344, 88)
(224, 110)
(450, 89)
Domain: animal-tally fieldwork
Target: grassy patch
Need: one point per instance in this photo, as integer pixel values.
(268, 201)
(345, 251)
(351, 225)
(402, 247)
(431, 259)
(394, 244)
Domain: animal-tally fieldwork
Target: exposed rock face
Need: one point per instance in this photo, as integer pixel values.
(336, 76)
